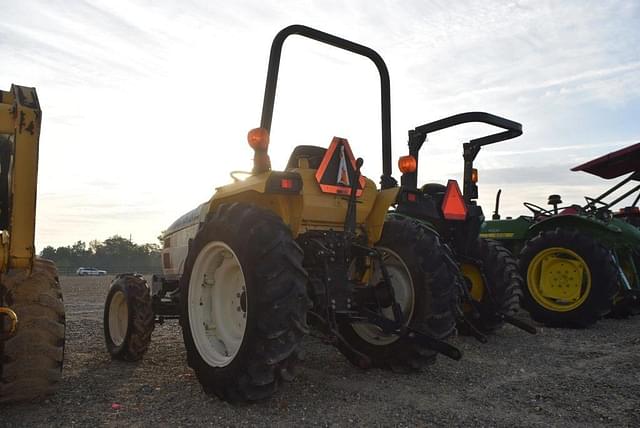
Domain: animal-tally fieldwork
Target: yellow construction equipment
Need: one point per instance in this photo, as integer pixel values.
(32, 316)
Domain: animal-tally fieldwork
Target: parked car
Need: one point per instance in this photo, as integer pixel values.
(90, 271)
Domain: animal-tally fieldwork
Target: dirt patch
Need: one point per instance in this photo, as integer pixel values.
(558, 377)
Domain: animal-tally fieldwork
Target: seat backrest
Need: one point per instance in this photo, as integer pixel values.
(434, 189)
(313, 154)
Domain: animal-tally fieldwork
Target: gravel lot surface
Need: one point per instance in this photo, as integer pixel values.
(556, 378)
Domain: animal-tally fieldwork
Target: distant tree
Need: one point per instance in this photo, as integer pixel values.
(115, 254)
(79, 248)
(93, 245)
(48, 252)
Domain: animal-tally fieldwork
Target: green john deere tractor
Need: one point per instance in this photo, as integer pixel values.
(248, 269)
(580, 262)
(493, 284)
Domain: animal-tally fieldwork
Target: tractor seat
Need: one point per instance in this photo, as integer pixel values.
(434, 189)
(572, 210)
(313, 154)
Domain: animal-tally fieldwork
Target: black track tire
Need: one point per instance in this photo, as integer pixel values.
(435, 290)
(31, 361)
(140, 318)
(604, 278)
(277, 303)
(500, 269)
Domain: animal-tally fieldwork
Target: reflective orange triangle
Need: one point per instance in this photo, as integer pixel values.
(453, 206)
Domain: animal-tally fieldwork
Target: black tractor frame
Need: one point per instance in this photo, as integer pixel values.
(461, 233)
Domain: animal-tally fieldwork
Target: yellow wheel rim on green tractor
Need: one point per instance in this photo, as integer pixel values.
(473, 274)
(559, 279)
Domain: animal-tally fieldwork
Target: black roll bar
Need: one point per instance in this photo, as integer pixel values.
(512, 129)
(320, 36)
(418, 136)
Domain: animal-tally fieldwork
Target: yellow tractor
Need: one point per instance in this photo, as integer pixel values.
(32, 317)
(248, 270)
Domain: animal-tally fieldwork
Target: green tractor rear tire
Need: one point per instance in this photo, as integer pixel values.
(128, 318)
(571, 279)
(424, 286)
(490, 261)
(244, 303)
(31, 360)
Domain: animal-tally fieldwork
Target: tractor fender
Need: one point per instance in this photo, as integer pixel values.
(425, 224)
(609, 233)
(287, 207)
(375, 220)
(255, 190)
(516, 229)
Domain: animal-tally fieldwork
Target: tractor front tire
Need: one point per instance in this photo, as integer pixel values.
(551, 264)
(128, 318)
(490, 261)
(244, 303)
(31, 360)
(424, 282)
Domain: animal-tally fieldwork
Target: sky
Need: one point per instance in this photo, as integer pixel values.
(146, 104)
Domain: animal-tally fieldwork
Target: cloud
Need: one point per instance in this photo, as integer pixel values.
(147, 104)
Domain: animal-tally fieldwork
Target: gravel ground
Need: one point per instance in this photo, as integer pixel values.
(559, 377)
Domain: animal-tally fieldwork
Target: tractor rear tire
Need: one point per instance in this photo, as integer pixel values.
(244, 303)
(491, 261)
(600, 283)
(128, 318)
(31, 361)
(435, 295)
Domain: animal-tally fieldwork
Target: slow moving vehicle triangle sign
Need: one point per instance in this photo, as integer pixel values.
(343, 172)
(338, 168)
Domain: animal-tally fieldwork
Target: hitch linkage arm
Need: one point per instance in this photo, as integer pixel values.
(410, 334)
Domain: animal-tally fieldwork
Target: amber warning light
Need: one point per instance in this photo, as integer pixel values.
(453, 206)
(258, 139)
(407, 164)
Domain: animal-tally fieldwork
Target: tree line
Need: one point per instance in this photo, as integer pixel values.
(115, 255)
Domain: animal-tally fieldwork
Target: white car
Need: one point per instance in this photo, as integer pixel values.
(90, 272)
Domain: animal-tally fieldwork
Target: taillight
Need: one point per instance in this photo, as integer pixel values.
(474, 175)
(284, 182)
(453, 206)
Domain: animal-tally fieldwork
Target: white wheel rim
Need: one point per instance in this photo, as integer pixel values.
(403, 289)
(118, 318)
(217, 304)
